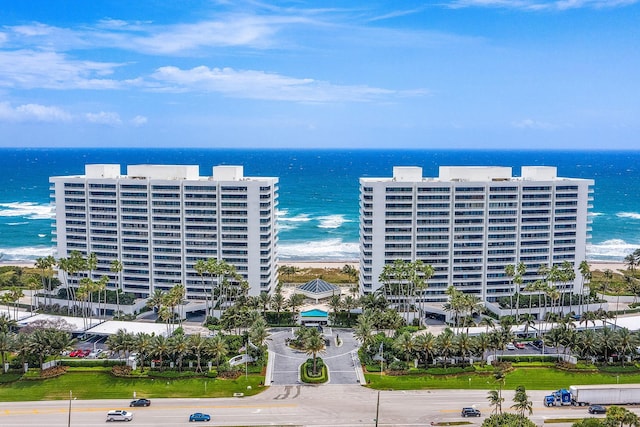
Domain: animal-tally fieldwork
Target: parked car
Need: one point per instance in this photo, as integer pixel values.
(199, 416)
(510, 346)
(119, 415)
(597, 409)
(140, 402)
(519, 345)
(536, 343)
(75, 353)
(470, 412)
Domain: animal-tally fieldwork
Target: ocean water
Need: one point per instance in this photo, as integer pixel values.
(318, 211)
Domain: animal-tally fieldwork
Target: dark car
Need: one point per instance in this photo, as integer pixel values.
(470, 412)
(597, 409)
(140, 402)
(198, 416)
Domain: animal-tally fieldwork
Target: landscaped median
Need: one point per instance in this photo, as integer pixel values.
(533, 376)
(100, 383)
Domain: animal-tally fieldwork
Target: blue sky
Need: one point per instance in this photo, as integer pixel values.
(515, 74)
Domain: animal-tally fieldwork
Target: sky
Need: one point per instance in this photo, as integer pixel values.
(485, 74)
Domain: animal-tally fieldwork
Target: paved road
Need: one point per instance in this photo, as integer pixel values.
(340, 360)
(315, 406)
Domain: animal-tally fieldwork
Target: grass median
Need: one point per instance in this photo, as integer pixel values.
(93, 384)
(531, 378)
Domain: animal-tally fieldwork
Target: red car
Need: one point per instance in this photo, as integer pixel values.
(519, 345)
(75, 353)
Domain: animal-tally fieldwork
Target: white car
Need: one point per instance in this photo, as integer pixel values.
(510, 346)
(119, 415)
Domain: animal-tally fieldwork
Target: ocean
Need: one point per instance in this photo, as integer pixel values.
(318, 209)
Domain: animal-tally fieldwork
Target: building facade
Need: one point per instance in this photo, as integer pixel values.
(470, 222)
(159, 220)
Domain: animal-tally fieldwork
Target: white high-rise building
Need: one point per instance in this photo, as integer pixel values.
(158, 220)
(470, 222)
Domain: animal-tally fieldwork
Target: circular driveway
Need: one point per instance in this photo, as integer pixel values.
(341, 361)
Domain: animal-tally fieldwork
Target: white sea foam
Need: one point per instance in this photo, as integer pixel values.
(27, 210)
(329, 249)
(611, 250)
(17, 223)
(26, 253)
(297, 218)
(332, 221)
(632, 215)
(596, 213)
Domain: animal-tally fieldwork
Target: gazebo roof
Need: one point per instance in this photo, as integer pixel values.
(318, 287)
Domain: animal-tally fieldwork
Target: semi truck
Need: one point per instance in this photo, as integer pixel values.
(603, 394)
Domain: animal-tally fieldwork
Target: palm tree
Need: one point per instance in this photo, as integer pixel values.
(586, 278)
(7, 345)
(258, 332)
(495, 401)
(499, 377)
(33, 285)
(521, 401)
(197, 344)
(313, 345)
(265, 300)
(404, 344)
(510, 271)
(217, 348)
(631, 263)
(160, 348)
(278, 303)
(144, 345)
(45, 266)
(349, 304)
(363, 330)
(425, 344)
(117, 267)
(350, 271)
(179, 347)
(487, 322)
(335, 302)
(294, 302)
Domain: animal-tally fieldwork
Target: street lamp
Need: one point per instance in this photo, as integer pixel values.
(70, 398)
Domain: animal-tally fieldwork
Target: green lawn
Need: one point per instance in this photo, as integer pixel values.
(103, 385)
(530, 378)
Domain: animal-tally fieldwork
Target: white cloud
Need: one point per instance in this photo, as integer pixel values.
(30, 69)
(533, 124)
(104, 118)
(139, 121)
(33, 113)
(253, 84)
(542, 4)
(229, 30)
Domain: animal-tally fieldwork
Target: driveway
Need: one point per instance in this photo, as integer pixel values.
(341, 361)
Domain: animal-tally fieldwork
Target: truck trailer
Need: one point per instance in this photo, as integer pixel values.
(603, 394)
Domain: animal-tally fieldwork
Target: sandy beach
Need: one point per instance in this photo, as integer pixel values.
(595, 265)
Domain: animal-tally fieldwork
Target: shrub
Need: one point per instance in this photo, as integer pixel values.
(37, 374)
(85, 363)
(121, 371)
(306, 370)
